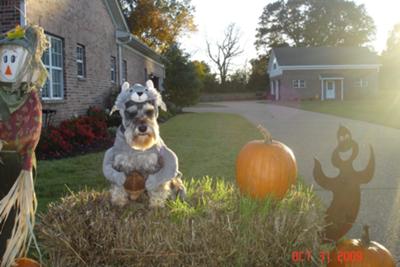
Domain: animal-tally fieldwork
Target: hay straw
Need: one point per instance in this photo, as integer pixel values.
(215, 227)
(22, 197)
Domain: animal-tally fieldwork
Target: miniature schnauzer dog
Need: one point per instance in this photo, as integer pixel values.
(139, 151)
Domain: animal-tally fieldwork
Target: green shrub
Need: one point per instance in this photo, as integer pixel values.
(182, 85)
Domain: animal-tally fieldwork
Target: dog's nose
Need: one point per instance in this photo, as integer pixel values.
(139, 93)
(142, 128)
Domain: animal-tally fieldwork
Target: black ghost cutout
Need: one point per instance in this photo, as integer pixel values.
(342, 212)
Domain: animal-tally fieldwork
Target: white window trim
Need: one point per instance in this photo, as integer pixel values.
(113, 68)
(81, 61)
(297, 84)
(50, 68)
(362, 83)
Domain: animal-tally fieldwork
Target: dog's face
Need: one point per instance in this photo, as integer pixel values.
(138, 106)
(140, 122)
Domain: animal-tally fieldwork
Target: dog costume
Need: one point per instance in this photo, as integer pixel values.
(139, 152)
(22, 75)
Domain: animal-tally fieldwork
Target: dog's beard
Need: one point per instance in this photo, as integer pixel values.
(141, 141)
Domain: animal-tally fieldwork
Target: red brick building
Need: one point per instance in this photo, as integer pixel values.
(325, 73)
(91, 54)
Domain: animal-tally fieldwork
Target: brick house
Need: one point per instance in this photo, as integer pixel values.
(91, 54)
(324, 73)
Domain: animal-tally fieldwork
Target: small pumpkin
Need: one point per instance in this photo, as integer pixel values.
(265, 168)
(361, 253)
(26, 262)
(134, 185)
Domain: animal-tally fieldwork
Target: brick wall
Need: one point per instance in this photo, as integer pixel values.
(79, 22)
(139, 66)
(9, 14)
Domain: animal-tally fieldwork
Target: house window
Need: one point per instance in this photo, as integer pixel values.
(274, 66)
(81, 61)
(53, 61)
(124, 71)
(361, 83)
(113, 69)
(299, 84)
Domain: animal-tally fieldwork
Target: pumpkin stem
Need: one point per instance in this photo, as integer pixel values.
(365, 236)
(267, 135)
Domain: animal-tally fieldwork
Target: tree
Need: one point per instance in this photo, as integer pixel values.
(228, 49)
(159, 23)
(393, 42)
(389, 75)
(258, 79)
(181, 82)
(238, 80)
(304, 23)
(208, 80)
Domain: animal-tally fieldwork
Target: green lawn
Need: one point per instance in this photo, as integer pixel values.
(206, 144)
(383, 110)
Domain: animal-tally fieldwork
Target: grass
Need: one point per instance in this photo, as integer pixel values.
(382, 110)
(206, 144)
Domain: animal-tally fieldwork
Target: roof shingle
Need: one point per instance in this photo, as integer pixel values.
(297, 56)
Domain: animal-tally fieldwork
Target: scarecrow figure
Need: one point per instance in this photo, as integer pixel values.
(22, 74)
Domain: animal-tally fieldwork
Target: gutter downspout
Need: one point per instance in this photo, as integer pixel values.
(120, 63)
(22, 13)
(120, 60)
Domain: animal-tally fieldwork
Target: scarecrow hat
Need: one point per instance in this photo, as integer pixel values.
(29, 37)
(25, 37)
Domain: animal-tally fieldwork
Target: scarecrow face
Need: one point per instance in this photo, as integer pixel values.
(13, 60)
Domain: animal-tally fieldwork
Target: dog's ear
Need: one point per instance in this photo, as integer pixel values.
(125, 86)
(162, 105)
(150, 84)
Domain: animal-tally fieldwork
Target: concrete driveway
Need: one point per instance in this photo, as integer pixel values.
(311, 134)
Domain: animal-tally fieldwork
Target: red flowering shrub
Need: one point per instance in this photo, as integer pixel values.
(75, 136)
(52, 144)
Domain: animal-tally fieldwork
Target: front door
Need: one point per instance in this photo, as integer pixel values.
(330, 90)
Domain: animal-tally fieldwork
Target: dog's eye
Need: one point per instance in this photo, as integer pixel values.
(150, 113)
(130, 114)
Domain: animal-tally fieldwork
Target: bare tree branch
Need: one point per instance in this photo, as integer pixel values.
(228, 49)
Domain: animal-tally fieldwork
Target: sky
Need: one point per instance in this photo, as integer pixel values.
(212, 17)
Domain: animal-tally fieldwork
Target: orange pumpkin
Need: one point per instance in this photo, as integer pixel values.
(265, 168)
(26, 262)
(361, 253)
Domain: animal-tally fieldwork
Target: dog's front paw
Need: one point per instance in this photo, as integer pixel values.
(118, 196)
(178, 189)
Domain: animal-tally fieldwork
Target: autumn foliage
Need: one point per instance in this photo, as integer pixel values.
(159, 23)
